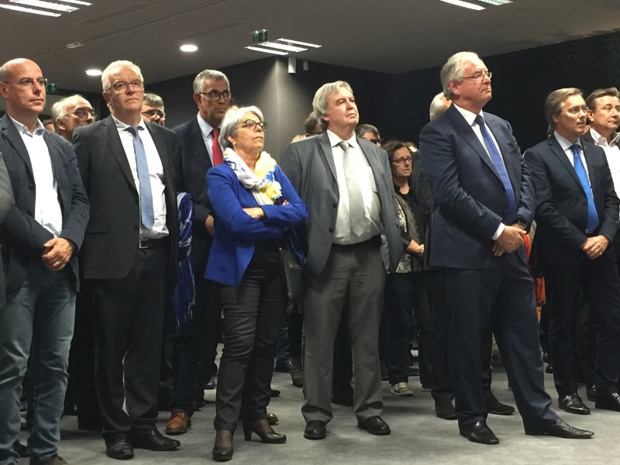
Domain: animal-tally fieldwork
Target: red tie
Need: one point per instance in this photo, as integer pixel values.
(216, 150)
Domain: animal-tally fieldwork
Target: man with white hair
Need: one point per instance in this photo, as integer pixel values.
(129, 257)
(70, 113)
(484, 202)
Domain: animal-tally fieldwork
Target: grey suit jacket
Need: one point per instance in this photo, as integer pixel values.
(309, 165)
(21, 235)
(6, 204)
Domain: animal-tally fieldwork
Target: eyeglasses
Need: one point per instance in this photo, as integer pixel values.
(216, 95)
(252, 125)
(122, 86)
(401, 161)
(84, 113)
(154, 114)
(479, 75)
(29, 82)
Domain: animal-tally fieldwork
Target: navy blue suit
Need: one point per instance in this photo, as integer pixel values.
(469, 205)
(562, 217)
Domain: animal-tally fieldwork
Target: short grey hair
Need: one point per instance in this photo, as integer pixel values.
(453, 70)
(319, 102)
(113, 67)
(59, 109)
(554, 101)
(153, 100)
(208, 74)
(364, 128)
(437, 106)
(231, 120)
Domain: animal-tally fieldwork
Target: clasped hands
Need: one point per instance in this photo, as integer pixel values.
(509, 240)
(56, 253)
(595, 246)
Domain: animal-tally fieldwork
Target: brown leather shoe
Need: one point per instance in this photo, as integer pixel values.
(178, 424)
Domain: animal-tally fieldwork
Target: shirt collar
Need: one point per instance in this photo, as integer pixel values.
(600, 140)
(122, 126)
(334, 140)
(469, 116)
(564, 142)
(205, 127)
(22, 129)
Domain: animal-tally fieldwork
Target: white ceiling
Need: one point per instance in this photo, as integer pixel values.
(390, 36)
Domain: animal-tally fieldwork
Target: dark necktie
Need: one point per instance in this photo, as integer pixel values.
(585, 184)
(356, 201)
(496, 158)
(146, 196)
(216, 150)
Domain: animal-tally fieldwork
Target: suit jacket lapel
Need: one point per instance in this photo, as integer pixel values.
(15, 139)
(116, 148)
(590, 164)
(160, 144)
(197, 146)
(326, 153)
(509, 162)
(556, 149)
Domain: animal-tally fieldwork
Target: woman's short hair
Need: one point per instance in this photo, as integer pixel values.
(231, 120)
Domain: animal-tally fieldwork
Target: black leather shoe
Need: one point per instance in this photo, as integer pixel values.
(374, 425)
(572, 403)
(591, 392)
(610, 402)
(119, 447)
(153, 440)
(445, 410)
(21, 449)
(561, 429)
(495, 407)
(479, 432)
(315, 429)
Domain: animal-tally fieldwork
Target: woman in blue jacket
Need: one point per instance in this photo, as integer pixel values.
(253, 204)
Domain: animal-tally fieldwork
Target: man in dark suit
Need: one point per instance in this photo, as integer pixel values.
(40, 237)
(6, 204)
(577, 217)
(352, 238)
(197, 342)
(483, 201)
(129, 257)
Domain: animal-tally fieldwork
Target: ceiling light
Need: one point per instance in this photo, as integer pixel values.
(278, 46)
(28, 10)
(496, 2)
(303, 44)
(93, 72)
(46, 5)
(461, 3)
(74, 45)
(76, 2)
(266, 50)
(188, 48)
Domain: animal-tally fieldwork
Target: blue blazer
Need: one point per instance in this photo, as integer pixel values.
(235, 231)
(469, 197)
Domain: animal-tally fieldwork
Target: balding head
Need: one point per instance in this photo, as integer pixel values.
(22, 86)
(70, 113)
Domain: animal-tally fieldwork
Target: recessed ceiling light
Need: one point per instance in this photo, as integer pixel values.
(297, 42)
(278, 46)
(461, 3)
(496, 2)
(28, 10)
(93, 72)
(266, 50)
(47, 5)
(188, 48)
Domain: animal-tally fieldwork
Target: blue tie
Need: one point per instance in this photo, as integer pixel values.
(146, 196)
(496, 158)
(585, 184)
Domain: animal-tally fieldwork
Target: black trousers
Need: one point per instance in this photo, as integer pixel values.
(253, 314)
(598, 280)
(129, 315)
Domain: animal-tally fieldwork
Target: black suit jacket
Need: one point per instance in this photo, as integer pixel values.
(469, 197)
(562, 210)
(113, 231)
(22, 237)
(192, 168)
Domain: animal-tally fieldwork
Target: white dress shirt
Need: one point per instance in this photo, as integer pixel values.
(207, 136)
(156, 176)
(372, 206)
(612, 153)
(567, 146)
(47, 211)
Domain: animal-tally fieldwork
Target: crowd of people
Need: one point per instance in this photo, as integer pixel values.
(129, 250)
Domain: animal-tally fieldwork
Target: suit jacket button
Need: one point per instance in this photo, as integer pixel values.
(335, 205)
(135, 227)
(31, 186)
(331, 229)
(29, 212)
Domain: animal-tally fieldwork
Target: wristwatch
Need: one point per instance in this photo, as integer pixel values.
(524, 224)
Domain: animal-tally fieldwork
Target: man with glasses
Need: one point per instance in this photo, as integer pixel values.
(70, 113)
(370, 133)
(40, 234)
(153, 109)
(201, 150)
(483, 204)
(129, 257)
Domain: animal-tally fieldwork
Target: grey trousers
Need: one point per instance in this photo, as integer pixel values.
(350, 288)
